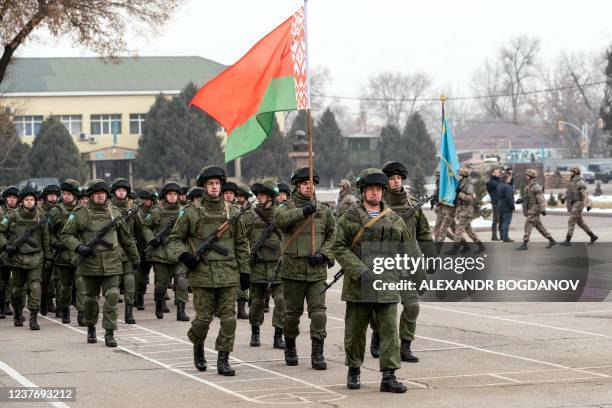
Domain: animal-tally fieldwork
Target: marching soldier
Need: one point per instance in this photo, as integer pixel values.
(345, 198)
(242, 196)
(83, 197)
(534, 205)
(99, 264)
(148, 198)
(370, 218)
(9, 196)
(229, 191)
(303, 273)
(284, 192)
(29, 258)
(439, 210)
(120, 189)
(465, 211)
(156, 229)
(195, 195)
(576, 198)
(183, 195)
(49, 285)
(63, 262)
(263, 262)
(214, 278)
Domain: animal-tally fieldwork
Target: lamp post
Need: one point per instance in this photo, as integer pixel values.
(584, 132)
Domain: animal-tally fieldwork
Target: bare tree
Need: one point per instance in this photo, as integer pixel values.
(97, 24)
(393, 96)
(487, 83)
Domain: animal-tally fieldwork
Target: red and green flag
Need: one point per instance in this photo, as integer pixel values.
(270, 78)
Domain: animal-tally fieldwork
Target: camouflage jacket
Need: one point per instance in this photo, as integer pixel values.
(13, 225)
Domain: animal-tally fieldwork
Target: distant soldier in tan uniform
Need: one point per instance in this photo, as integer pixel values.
(465, 211)
(576, 198)
(345, 198)
(533, 206)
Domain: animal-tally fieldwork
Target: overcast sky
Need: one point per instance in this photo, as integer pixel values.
(355, 39)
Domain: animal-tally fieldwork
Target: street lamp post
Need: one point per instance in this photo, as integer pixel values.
(584, 132)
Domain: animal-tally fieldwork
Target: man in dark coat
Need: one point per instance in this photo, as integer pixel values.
(505, 205)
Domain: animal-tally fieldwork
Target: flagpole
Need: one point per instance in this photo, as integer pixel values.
(309, 129)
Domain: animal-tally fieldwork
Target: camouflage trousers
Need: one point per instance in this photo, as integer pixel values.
(296, 292)
(464, 224)
(356, 319)
(129, 282)
(258, 296)
(67, 275)
(576, 219)
(408, 318)
(445, 219)
(532, 220)
(163, 274)
(109, 285)
(210, 302)
(5, 284)
(27, 281)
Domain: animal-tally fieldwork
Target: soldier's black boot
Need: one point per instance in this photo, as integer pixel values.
(129, 317)
(242, 313)
(465, 247)
(438, 245)
(34, 320)
(353, 379)
(454, 249)
(316, 357)
(255, 340)
(481, 248)
(551, 242)
(17, 317)
(279, 343)
(593, 238)
(180, 312)
(91, 334)
(109, 339)
(198, 357)
(159, 308)
(523, 247)
(140, 302)
(568, 241)
(406, 352)
(223, 366)
(43, 303)
(291, 357)
(390, 384)
(66, 314)
(81, 318)
(375, 344)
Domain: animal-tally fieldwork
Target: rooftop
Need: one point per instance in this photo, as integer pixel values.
(500, 135)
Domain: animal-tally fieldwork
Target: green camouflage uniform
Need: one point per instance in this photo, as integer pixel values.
(133, 223)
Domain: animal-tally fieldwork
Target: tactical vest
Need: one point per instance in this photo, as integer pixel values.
(166, 215)
(531, 197)
(96, 221)
(270, 250)
(375, 239)
(207, 225)
(300, 247)
(464, 188)
(573, 193)
(20, 225)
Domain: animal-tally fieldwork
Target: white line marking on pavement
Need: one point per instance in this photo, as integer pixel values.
(558, 313)
(501, 377)
(15, 375)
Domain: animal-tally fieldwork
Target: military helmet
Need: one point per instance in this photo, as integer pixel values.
(531, 173)
(149, 192)
(267, 187)
(464, 171)
(195, 191)
(27, 191)
(184, 190)
(345, 183)
(371, 177)
(10, 190)
(244, 192)
(97, 185)
(121, 183)
(169, 186)
(229, 186)
(50, 189)
(71, 186)
(283, 188)
(210, 172)
(575, 169)
(395, 169)
(302, 175)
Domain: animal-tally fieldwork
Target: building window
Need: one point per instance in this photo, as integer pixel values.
(28, 125)
(73, 123)
(137, 123)
(106, 124)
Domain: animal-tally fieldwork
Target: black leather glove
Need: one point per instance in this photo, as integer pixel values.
(48, 263)
(589, 208)
(84, 250)
(10, 249)
(317, 259)
(309, 208)
(543, 212)
(154, 243)
(519, 201)
(245, 281)
(190, 261)
(562, 200)
(58, 245)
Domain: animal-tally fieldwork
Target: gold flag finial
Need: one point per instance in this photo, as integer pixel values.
(442, 98)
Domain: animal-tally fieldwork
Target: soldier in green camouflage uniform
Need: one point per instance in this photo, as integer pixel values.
(215, 278)
(534, 205)
(120, 189)
(10, 197)
(28, 259)
(576, 198)
(49, 198)
(304, 273)
(401, 202)
(263, 263)
(100, 266)
(164, 264)
(63, 262)
(148, 198)
(284, 192)
(363, 224)
(195, 195)
(465, 211)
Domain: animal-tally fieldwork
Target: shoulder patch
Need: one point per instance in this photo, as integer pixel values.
(181, 213)
(5, 221)
(71, 217)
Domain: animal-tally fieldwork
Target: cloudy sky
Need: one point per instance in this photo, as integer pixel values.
(355, 39)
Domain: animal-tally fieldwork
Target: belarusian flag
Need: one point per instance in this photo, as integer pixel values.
(271, 77)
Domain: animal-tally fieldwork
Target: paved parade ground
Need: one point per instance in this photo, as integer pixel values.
(472, 355)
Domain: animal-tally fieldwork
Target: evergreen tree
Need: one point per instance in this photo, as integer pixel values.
(54, 153)
(14, 165)
(418, 146)
(418, 183)
(270, 160)
(331, 155)
(391, 144)
(299, 123)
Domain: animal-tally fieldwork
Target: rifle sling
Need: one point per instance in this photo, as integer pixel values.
(368, 224)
